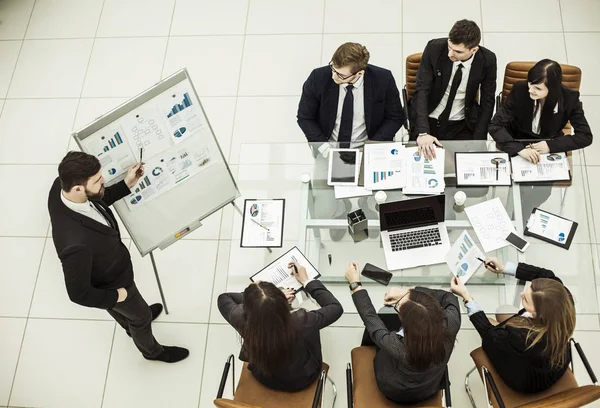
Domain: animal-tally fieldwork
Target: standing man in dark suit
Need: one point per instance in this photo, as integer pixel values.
(446, 105)
(96, 264)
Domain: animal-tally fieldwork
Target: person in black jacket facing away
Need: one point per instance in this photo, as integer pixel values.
(539, 108)
(529, 350)
(283, 349)
(446, 105)
(410, 363)
(96, 264)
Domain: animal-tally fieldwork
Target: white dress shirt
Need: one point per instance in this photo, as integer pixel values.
(359, 126)
(535, 123)
(86, 209)
(458, 106)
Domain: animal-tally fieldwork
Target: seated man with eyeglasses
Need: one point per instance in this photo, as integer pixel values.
(349, 101)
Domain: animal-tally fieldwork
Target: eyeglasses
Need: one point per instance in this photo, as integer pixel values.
(340, 76)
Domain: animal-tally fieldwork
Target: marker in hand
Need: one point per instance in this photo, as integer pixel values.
(488, 263)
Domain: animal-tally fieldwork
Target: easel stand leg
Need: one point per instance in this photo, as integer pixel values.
(160, 289)
(242, 214)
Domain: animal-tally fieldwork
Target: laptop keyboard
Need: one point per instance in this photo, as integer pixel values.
(402, 241)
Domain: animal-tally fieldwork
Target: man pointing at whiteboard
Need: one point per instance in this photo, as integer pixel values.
(96, 264)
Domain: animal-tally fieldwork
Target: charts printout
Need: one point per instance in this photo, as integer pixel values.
(263, 223)
(424, 176)
(462, 257)
(551, 167)
(280, 275)
(491, 223)
(384, 166)
(167, 129)
(549, 226)
(483, 169)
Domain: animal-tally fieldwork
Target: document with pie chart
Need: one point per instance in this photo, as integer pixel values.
(384, 166)
(551, 228)
(424, 176)
(462, 257)
(262, 223)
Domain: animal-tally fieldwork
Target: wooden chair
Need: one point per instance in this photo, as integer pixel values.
(252, 394)
(412, 66)
(566, 393)
(362, 390)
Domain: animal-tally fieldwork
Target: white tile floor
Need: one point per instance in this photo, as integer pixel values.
(65, 62)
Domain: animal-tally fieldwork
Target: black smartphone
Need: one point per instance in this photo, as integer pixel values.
(377, 274)
(517, 242)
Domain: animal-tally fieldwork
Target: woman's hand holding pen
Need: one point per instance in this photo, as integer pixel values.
(494, 265)
(298, 272)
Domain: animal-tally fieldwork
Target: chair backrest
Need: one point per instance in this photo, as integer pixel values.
(517, 71)
(227, 403)
(577, 397)
(412, 66)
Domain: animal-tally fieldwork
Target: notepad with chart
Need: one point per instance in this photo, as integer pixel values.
(551, 167)
(424, 176)
(384, 166)
(482, 169)
(279, 274)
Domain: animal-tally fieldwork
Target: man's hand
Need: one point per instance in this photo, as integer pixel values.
(352, 273)
(299, 272)
(394, 295)
(458, 287)
(289, 295)
(426, 146)
(122, 295)
(324, 149)
(134, 174)
(541, 147)
(530, 155)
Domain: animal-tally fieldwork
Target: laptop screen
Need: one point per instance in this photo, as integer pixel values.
(416, 212)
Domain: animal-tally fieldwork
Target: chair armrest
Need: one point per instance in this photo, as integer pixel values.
(447, 396)
(489, 379)
(224, 376)
(405, 108)
(319, 390)
(349, 392)
(586, 363)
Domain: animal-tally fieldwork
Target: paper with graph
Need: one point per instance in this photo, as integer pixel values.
(424, 176)
(384, 166)
(462, 257)
(280, 275)
(551, 167)
(549, 226)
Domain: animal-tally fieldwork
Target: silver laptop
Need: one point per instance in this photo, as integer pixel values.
(413, 232)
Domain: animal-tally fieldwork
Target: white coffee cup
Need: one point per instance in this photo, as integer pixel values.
(380, 197)
(460, 197)
(305, 178)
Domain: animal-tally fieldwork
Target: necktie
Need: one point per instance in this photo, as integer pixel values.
(443, 118)
(345, 134)
(105, 214)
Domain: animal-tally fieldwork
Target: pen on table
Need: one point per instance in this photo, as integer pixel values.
(329, 257)
(496, 170)
(259, 224)
(488, 263)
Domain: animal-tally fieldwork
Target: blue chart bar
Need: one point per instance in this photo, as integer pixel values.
(185, 103)
(468, 242)
(118, 137)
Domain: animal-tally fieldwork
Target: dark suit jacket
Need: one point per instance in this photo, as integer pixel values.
(94, 260)
(395, 378)
(433, 77)
(319, 104)
(523, 369)
(513, 120)
(306, 359)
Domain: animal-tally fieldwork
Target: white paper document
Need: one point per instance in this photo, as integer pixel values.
(384, 166)
(483, 169)
(281, 276)
(491, 223)
(462, 257)
(551, 167)
(350, 191)
(550, 226)
(263, 223)
(424, 176)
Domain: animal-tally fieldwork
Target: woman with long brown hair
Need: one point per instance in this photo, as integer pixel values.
(283, 349)
(410, 362)
(529, 350)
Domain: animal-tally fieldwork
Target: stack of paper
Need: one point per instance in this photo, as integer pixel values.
(462, 257)
(491, 223)
(424, 176)
(384, 166)
(551, 167)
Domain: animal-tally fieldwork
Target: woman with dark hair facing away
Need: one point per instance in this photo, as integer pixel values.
(539, 108)
(529, 350)
(410, 362)
(283, 349)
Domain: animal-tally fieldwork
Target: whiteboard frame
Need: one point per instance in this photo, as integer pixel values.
(128, 106)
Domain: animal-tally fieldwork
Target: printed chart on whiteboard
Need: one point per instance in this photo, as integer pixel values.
(167, 129)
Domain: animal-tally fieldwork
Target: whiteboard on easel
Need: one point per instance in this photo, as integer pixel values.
(186, 175)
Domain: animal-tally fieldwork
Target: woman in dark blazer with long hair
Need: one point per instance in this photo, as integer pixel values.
(539, 108)
(529, 350)
(283, 349)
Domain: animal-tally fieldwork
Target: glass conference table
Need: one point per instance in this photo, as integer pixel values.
(291, 171)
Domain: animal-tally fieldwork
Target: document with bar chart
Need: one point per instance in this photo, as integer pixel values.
(462, 257)
(551, 228)
(112, 150)
(551, 167)
(279, 274)
(482, 169)
(183, 115)
(384, 166)
(424, 176)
